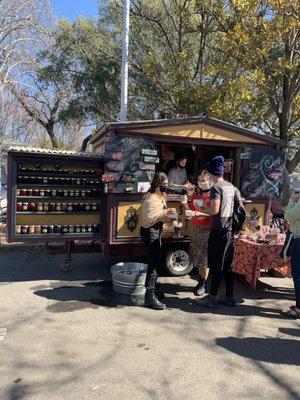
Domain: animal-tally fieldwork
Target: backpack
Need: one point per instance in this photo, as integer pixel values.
(239, 212)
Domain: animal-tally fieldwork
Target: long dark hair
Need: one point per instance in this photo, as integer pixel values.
(157, 181)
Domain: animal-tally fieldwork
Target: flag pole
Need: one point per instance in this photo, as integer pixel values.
(124, 72)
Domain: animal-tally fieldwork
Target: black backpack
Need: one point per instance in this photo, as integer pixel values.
(239, 212)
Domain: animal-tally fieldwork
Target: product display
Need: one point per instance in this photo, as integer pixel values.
(47, 198)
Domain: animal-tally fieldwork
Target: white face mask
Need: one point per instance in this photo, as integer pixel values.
(204, 185)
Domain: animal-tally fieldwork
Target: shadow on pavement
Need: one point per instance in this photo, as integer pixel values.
(270, 350)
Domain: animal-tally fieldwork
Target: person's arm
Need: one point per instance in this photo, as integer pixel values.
(215, 203)
(292, 211)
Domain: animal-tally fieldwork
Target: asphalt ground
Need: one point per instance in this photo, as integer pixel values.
(67, 336)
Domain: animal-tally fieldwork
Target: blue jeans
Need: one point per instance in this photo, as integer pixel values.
(295, 264)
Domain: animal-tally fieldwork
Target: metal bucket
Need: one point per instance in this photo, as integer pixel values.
(129, 278)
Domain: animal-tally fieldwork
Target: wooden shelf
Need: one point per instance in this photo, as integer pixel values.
(49, 186)
(58, 175)
(55, 212)
(67, 199)
(58, 235)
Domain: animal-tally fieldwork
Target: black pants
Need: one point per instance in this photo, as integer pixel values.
(152, 241)
(220, 257)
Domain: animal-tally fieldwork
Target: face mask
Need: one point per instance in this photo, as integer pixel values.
(163, 188)
(204, 185)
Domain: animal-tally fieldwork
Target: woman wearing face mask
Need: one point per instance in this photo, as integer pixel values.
(154, 210)
(200, 233)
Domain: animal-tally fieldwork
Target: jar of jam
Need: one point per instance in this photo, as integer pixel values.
(68, 181)
(89, 228)
(77, 229)
(32, 206)
(74, 181)
(54, 192)
(77, 193)
(72, 193)
(70, 207)
(58, 206)
(37, 167)
(38, 229)
(64, 207)
(57, 228)
(94, 192)
(94, 207)
(26, 179)
(19, 206)
(48, 193)
(71, 229)
(31, 229)
(51, 229)
(45, 180)
(42, 192)
(62, 181)
(24, 229)
(29, 192)
(18, 192)
(24, 206)
(83, 193)
(66, 193)
(82, 207)
(40, 180)
(18, 229)
(83, 229)
(23, 192)
(88, 193)
(87, 207)
(65, 229)
(35, 192)
(46, 206)
(76, 207)
(60, 193)
(56, 181)
(78, 181)
(52, 207)
(44, 229)
(40, 207)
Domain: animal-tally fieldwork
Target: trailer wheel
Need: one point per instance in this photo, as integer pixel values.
(177, 262)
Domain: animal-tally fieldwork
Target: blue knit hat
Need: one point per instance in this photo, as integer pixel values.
(216, 166)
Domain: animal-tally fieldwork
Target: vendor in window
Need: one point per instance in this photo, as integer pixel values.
(178, 177)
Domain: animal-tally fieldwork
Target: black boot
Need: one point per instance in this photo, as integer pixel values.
(159, 293)
(152, 301)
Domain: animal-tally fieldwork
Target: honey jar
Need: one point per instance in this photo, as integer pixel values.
(18, 229)
(38, 229)
(31, 229)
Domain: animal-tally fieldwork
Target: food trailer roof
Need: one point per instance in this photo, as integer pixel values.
(201, 129)
(53, 152)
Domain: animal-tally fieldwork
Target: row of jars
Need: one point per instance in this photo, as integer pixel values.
(65, 207)
(51, 229)
(45, 180)
(57, 192)
(55, 169)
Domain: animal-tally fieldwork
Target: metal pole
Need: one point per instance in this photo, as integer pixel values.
(124, 74)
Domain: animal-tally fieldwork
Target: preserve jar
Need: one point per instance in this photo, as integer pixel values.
(89, 228)
(73, 180)
(42, 192)
(52, 207)
(70, 207)
(45, 180)
(87, 207)
(76, 207)
(64, 207)
(94, 207)
(65, 229)
(77, 229)
(71, 229)
(19, 206)
(58, 206)
(77, 193)
(88, 193)
(18, 229)
(23, 192)
(32, 206)
(51, 229)
(83, 229)
(38, 229)
(48, 193)
(95, 228)
(78, 181)
(44, 229)
(66, 193)
(24, 229)
(71, 194)
(29, 192)
(83, 193)
(57, 229)
(40, 207)
(82, 207)
(54, 192)
(60, 193)
(46, 206)
(40, 180)
(35, 192)
(31, 229)
(18, 192)
(24, 206)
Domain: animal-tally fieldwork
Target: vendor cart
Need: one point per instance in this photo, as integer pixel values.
(96, 196)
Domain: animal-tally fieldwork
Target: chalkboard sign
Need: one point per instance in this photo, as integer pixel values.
(125, 156)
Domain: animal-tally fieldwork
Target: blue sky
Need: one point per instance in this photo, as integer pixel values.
(71, 9)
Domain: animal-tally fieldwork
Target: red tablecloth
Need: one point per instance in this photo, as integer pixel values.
(250, 258)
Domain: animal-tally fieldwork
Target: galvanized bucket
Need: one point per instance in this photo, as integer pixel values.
(129, 278)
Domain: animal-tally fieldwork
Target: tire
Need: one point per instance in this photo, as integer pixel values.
(177, 262)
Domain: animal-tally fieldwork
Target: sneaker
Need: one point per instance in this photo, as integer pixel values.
(207, 301)
(199, 290)
(228, 301)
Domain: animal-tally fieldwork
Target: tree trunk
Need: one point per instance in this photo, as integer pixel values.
(50, 130)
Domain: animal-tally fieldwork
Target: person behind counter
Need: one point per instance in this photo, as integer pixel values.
(154, 210)
(201, 228)
(292, 215)
(178, 177)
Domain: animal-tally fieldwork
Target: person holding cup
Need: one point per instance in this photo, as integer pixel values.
(201, 228)
(154, 210)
